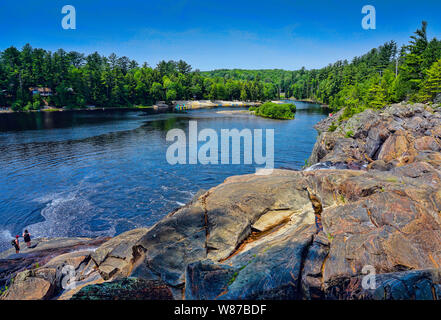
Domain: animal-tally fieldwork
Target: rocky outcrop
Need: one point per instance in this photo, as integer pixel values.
(390, 137)
(363, 222)
(388, 221)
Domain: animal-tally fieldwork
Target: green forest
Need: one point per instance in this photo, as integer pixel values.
(76, 81)
(384, 75)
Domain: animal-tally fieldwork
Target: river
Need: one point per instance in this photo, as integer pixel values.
(93, 173)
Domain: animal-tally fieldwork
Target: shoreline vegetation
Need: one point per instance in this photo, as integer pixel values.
(159, 106)
(31, 79)
(53, 109)
(280, 111)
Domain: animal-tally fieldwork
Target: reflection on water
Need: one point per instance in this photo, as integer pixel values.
(104, 172)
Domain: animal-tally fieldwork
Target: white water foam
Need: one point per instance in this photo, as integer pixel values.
(67, 214)
(5, 235)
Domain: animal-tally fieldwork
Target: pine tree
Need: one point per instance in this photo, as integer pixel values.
(411, 69)
(243, 95)
(377, 96)
(432, 85)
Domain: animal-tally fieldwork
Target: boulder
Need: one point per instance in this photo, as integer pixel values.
(427, 143)
(28, 287)
(395, 147)
(219, 222)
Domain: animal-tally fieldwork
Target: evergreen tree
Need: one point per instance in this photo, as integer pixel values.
(431, 87)
(412, 72)
(377, 96)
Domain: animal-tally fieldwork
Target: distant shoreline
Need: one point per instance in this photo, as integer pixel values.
(187, 104)
(159, 107)
(78, 109)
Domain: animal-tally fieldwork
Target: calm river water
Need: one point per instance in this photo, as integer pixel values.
(91, 173)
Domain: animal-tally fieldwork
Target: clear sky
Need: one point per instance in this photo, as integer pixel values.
(212, 34)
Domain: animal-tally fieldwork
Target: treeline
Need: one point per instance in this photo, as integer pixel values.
(77, 80)
(384, 75)
(276, 76)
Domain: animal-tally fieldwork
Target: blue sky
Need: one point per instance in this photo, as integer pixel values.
(212, 34)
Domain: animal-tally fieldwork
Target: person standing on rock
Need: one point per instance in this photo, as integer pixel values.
(16, 244)
(27, 238)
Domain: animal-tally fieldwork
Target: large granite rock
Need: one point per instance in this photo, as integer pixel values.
(388, 221)
(220, 221)
(63, 266)
(28, 287)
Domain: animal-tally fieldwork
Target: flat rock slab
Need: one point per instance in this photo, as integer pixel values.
(53, 245)
(272, 219)
(46, 250)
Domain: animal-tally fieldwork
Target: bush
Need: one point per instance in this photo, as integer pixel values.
(28, 106)
(332, 127)
(276, 111)
(36, 105)
(349, 134)
(17, 106)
